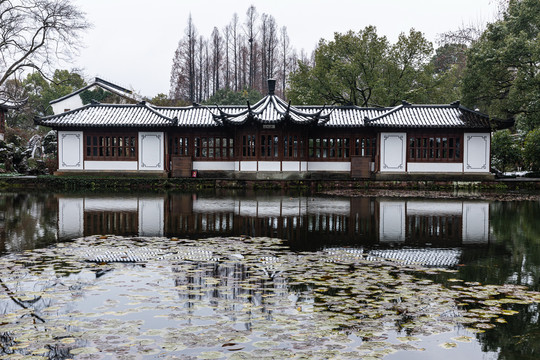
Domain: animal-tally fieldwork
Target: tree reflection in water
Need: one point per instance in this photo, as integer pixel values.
(502, 247)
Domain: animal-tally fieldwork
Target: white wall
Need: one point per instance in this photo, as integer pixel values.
(70, 217)
(291, 166)
(475, 222)
(393, 150)
(247, 166)
(214, 165)
(425, 167)
(151, 151)
(476, 152)
(329, 166)
(269, 166)
(392, 221)
(70, 150)
(151, 216)
(110, 165)
(70, 103)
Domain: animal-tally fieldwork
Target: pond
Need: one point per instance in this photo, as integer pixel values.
(259, 275)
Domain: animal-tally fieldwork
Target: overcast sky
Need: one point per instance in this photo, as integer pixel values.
(132, 42)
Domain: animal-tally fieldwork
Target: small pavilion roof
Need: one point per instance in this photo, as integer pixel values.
(109, 115)
(269, 110)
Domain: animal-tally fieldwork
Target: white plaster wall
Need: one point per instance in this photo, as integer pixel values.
(328, 166)
(151, 220)
(291, 166)
(110, 165)
(393, 150)
(111, 204)
(303, 166)
(475, 222)
(476, 152)
(269, 166)
(151, 150)
(434, 208)
(214, 165)
(392, 221)
(70, 103)
(237, 166)
(70, 217)
(70, 150)
(248, 166)
(421, 167)
(2, 136)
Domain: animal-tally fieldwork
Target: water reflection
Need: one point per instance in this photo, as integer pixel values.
(493, 242)
(307, 222)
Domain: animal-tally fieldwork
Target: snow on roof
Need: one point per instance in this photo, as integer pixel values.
(106, 85)
(109, 115)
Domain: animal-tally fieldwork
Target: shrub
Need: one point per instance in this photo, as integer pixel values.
(531, 150)
(505, 151)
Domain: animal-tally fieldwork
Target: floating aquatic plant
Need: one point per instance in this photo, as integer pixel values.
(103, 297)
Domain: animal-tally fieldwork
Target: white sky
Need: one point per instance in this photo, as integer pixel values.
(132, 42)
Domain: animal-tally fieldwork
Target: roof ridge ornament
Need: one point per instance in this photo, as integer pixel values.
(271, 86)
(455, 103)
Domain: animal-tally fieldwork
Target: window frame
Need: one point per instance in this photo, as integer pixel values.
(435, 147)
(111, 146)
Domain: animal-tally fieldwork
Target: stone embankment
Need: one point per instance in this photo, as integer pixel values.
(501, 189)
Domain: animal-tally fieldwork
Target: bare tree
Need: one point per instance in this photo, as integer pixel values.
(269, 44)
(285, 60)
(235, 46)
(227, 39)
(35, 34)
(216, 59)
(251, 34)
(183, 72)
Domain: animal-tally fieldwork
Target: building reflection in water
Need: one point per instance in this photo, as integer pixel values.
(429, 232)
(307, 223)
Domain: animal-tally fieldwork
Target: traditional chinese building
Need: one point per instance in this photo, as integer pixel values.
(273, 140)
(76, 99)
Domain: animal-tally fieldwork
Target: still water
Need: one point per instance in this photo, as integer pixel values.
(346, 281)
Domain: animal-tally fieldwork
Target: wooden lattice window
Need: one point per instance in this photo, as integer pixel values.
(434, 148)
(248, 146)
(329, 148)
(269, 146)
(111, 147)
(214, 147)
(365, 146)
(293, 147)
(179, 145)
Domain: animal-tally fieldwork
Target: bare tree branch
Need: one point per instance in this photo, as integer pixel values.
(35, 34)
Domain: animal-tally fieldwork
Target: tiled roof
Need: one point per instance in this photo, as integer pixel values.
(441, 116)
(106, 85)
(107, 115)
(11, 104)
(271, 109)
(191, 116)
